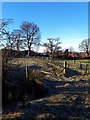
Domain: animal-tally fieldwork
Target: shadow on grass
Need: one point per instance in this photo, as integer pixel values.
(34, 67)
(19, 73)
(71, 73)
(67, 108)
(70, 107)
(56, 87)
(56, 110)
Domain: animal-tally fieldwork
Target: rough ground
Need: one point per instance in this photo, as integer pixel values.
(68, 97)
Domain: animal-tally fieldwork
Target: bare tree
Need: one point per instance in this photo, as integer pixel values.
(85, 46)
(4, 23)
(13, 39)
(16, 35)
(4, 34)
(31, 34)
(53, 46)
(7, 40)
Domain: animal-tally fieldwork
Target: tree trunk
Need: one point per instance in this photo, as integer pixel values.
(87, 53)
(29, 49)
(17, 47)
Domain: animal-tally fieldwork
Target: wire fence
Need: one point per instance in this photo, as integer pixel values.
(73, 64)
(78, 65)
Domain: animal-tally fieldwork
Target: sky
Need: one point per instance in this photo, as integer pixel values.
(67, 20)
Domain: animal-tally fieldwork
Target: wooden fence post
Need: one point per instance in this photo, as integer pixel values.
(68, 65)
(86, 70)
(74, 62)
(65, 67)
(80, 66)
(27, 72)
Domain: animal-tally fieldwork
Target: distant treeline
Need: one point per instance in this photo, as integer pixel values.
(60, 55)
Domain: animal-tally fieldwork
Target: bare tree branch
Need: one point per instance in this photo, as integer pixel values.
(53, 46)
(85, 46)
(31, 34)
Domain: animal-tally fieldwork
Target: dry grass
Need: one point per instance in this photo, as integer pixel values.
(66, 94)
(36, 75)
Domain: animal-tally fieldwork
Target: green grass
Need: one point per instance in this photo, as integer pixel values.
(83, 61)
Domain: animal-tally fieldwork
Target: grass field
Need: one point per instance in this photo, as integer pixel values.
(68, 96)
(83, 61)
